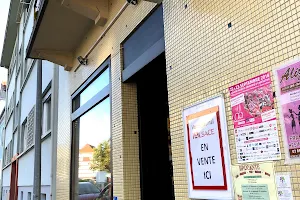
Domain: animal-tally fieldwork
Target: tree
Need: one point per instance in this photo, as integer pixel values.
(101, 157)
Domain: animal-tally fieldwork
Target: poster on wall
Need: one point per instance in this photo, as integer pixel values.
(254, 181)
(207, 150)
(288, 90)
(284, 187)
(254, 120)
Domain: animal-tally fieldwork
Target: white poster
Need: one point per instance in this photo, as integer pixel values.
(284, 187)
(207, 150)
(258, 142)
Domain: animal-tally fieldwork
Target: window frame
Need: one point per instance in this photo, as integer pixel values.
(8, 151)
(29, 195)
(47, 102)
(16, 116)
(23, 137)
(5, 156)
(76, 113)
(43, 195)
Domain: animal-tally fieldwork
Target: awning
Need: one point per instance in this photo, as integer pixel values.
(62, 25)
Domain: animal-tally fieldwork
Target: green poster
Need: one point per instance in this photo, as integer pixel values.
(254, 181)
(255, 192)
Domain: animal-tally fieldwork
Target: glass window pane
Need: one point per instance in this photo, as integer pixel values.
(94, 151)
(48, 114)
(96, 86)
(43, 196)
(29, 196)
(46, 124)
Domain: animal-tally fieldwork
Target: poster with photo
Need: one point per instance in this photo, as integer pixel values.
(252, 101)
(284, 187)
(254, 120)
(288, 91)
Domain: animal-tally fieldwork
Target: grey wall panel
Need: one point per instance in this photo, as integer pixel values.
(144, 44)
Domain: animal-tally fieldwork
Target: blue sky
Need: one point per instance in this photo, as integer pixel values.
(95, 125)
(4, 7)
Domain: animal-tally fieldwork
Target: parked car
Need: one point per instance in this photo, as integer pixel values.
(88, 191)
(105, 193)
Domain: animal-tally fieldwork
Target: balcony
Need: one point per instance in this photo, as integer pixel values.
(60, 27)
(10, 34)
(65, 27)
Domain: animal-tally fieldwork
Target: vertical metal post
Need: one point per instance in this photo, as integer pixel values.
(38, 134)
(54, 128)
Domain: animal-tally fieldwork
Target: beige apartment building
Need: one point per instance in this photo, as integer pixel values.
(142, 64)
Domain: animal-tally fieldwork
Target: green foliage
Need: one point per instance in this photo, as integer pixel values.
(85, 180)
(101, 157)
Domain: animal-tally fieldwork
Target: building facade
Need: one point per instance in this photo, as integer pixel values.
(2, 128)
(85, 158)
(128, 71)
(19, 119)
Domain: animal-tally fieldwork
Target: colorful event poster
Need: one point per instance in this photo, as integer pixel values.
(254, 119)
(252, 101)
(254, 181)
(288, 89)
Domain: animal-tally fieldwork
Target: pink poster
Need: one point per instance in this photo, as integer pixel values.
(252, 101)
(254, 120)
(288, 78)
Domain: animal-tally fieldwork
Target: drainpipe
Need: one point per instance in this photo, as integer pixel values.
(54, 128)
(38, 134)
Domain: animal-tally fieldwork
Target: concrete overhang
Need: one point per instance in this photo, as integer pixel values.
(10, 33)
(61, 26)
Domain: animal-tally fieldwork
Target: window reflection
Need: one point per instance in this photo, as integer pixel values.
(96, 86)
(94, 173)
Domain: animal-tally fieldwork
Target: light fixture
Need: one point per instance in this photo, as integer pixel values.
(133, 2)
(82, 60)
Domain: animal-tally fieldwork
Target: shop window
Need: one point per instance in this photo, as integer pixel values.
(91, 137)
(92, 89)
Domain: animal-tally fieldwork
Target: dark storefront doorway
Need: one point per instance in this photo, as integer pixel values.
(145, 64)
(155, 153)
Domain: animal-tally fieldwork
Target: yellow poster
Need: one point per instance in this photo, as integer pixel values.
(254, 181)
